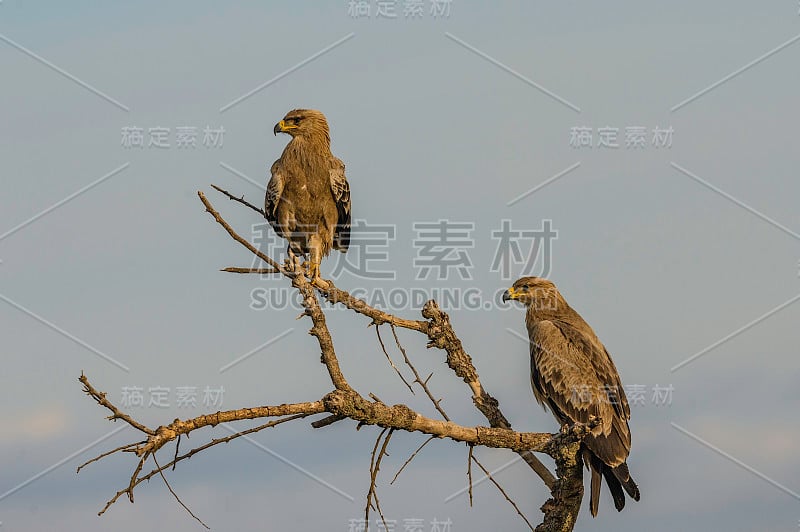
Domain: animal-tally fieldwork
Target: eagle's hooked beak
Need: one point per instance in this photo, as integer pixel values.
(283, 127)
(511, 293)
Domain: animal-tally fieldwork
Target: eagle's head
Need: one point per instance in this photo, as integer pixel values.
(303, 123)
(535, 292)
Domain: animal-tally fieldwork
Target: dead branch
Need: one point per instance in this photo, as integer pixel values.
(442, 336)
(346, 403)
(491, 478)
(438, 329)
(240, 200)
(417, 379)
(374, 467)
(172, 491)
(410, 458)
(469, 473)
(116, 413)
(241, 240)
(261, 271)
(189, 454)
(391, 362)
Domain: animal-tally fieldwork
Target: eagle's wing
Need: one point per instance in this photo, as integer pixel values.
(573, 374)
(274, 191)
(341, 194)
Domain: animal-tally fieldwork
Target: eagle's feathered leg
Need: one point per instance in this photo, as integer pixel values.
(315, 257)
(293, 262)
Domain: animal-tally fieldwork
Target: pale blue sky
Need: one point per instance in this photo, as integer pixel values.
(661, 265)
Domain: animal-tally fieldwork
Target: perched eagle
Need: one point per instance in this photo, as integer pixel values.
(573, 375)
(308, 196)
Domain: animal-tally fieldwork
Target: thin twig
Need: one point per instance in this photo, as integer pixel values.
(324, 422)
(391, 362)
(411, 458)
(108, 453)
(417, 379)
(240, 200)
(486, 472)
(469, 473)
(196, 450)
(177, 446)
(220, 220)
(100, 397)
(161, 472)
(372, 474)
(136, 472)
(234, 269)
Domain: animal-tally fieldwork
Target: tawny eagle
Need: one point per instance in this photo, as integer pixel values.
(308, 196)
(573, 374)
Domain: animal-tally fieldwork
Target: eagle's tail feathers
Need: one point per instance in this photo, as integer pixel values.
(624, 477)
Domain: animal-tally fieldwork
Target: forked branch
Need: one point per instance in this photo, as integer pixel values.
(343, 402)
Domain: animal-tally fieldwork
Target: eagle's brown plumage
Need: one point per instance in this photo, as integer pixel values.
(308, 196)
(573, 375)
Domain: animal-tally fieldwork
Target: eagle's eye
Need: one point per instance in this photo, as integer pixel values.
(296, 119)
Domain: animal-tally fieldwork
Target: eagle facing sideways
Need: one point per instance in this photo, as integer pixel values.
(308, 196)
(573, 375)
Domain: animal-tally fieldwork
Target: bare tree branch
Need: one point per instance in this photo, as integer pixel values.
(241, 240)
(172, 491)
(240, 200)
(391, 362)
(411, 458)
(127, 447)
(489, 475)
(442, 336)
(374, 467)
(417, 379)
(194, 451)
(346, 403)
(116, 413)
(469, 473)
(262, 271)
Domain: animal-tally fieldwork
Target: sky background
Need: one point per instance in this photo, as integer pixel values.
(668, 252)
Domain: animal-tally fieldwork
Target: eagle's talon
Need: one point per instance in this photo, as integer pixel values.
(321, 283)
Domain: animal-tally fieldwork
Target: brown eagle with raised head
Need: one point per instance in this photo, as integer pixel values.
(573, 375)
(308, 196)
